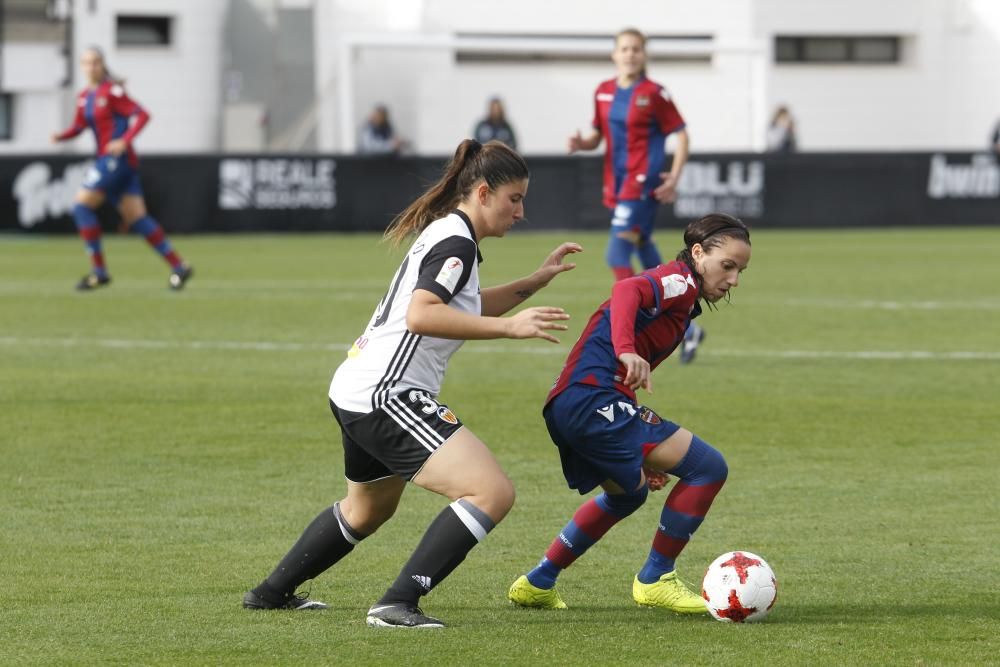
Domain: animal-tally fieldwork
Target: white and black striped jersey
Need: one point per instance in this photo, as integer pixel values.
(388, 358)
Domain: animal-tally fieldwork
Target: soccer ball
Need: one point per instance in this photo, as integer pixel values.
(739, 587)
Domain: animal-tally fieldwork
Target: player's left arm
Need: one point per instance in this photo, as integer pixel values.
(667, 190)
(121, 104)
(627, 297)
(78, 126)
(500, 299)
(671, 122)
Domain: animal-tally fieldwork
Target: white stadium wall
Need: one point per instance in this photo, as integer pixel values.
(941, 95)
(178, 83)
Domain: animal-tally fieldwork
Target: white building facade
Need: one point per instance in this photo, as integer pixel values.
(857, 75)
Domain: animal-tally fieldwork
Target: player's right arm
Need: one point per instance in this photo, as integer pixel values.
(428, 315)
(78, 126)
(592, 140)
(578, 142)
(444, 272)
(627, 297)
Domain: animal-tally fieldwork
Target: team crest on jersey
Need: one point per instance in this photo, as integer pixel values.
(674, 285)
(642, 100)
(447, 415)
(648, 416)
(117, 90)
(450, 273)
(102, 101)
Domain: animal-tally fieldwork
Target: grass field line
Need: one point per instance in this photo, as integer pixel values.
(277, 346)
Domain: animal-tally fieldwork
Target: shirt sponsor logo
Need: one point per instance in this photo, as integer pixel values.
(642, 100)
(673, 285)
(979, 179)
(40, 196)
(304, 183)
(605, 97)
(450, 273)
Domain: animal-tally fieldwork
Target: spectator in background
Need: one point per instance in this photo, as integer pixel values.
(996, 138)
(495, 126)
(781, 132)
(377, 136)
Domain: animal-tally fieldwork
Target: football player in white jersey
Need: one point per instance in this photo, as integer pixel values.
(384, 395)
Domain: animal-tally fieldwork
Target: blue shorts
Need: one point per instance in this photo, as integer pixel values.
(601, 434)
(636, 215)
(113, 176)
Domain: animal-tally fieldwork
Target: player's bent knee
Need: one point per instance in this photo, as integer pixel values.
(495, 498)
(366, 519)
(624, 504)
(707, 463)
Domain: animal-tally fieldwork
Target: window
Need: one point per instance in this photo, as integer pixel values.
(570, 48)
(6, 116)
(840, 50)
(144, 30)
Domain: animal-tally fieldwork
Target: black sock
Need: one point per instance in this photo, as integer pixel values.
(448, 540)
(327, 539)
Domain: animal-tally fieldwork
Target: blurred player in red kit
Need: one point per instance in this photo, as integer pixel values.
(633, 116)
(115, 119)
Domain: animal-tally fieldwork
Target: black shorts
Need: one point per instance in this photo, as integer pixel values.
(395, 439)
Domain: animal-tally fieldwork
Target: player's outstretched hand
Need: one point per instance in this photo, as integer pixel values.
(666, 191)
(54, 137)
(575, 143)
(536, 322)
(553, 264)
(637, 375)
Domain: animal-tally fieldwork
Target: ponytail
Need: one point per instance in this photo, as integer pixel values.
(494, 162)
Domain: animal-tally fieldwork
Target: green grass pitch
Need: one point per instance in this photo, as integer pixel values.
(162, 450)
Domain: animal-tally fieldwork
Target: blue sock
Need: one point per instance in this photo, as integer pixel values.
(151, 230)
(702, 473)
(591, 521)
(90, 231)
(619, 250)
(648, 253)
(544, 575)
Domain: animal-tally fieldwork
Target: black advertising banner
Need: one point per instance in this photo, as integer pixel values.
(265, 192)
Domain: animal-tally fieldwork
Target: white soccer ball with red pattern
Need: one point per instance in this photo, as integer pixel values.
(739, 587)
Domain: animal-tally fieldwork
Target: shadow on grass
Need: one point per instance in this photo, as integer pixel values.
(789, 614)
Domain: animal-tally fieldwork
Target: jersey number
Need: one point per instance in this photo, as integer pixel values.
(428, 405)
(385, 305)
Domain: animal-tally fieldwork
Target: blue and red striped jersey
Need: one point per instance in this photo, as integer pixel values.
(646, 315)
(107, 110)
(635, 123)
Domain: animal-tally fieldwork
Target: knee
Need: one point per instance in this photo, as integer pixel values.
(624, 504)
(716, 465)
(712, 464)
(496, 498)
(83, 214)
(365, 519)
